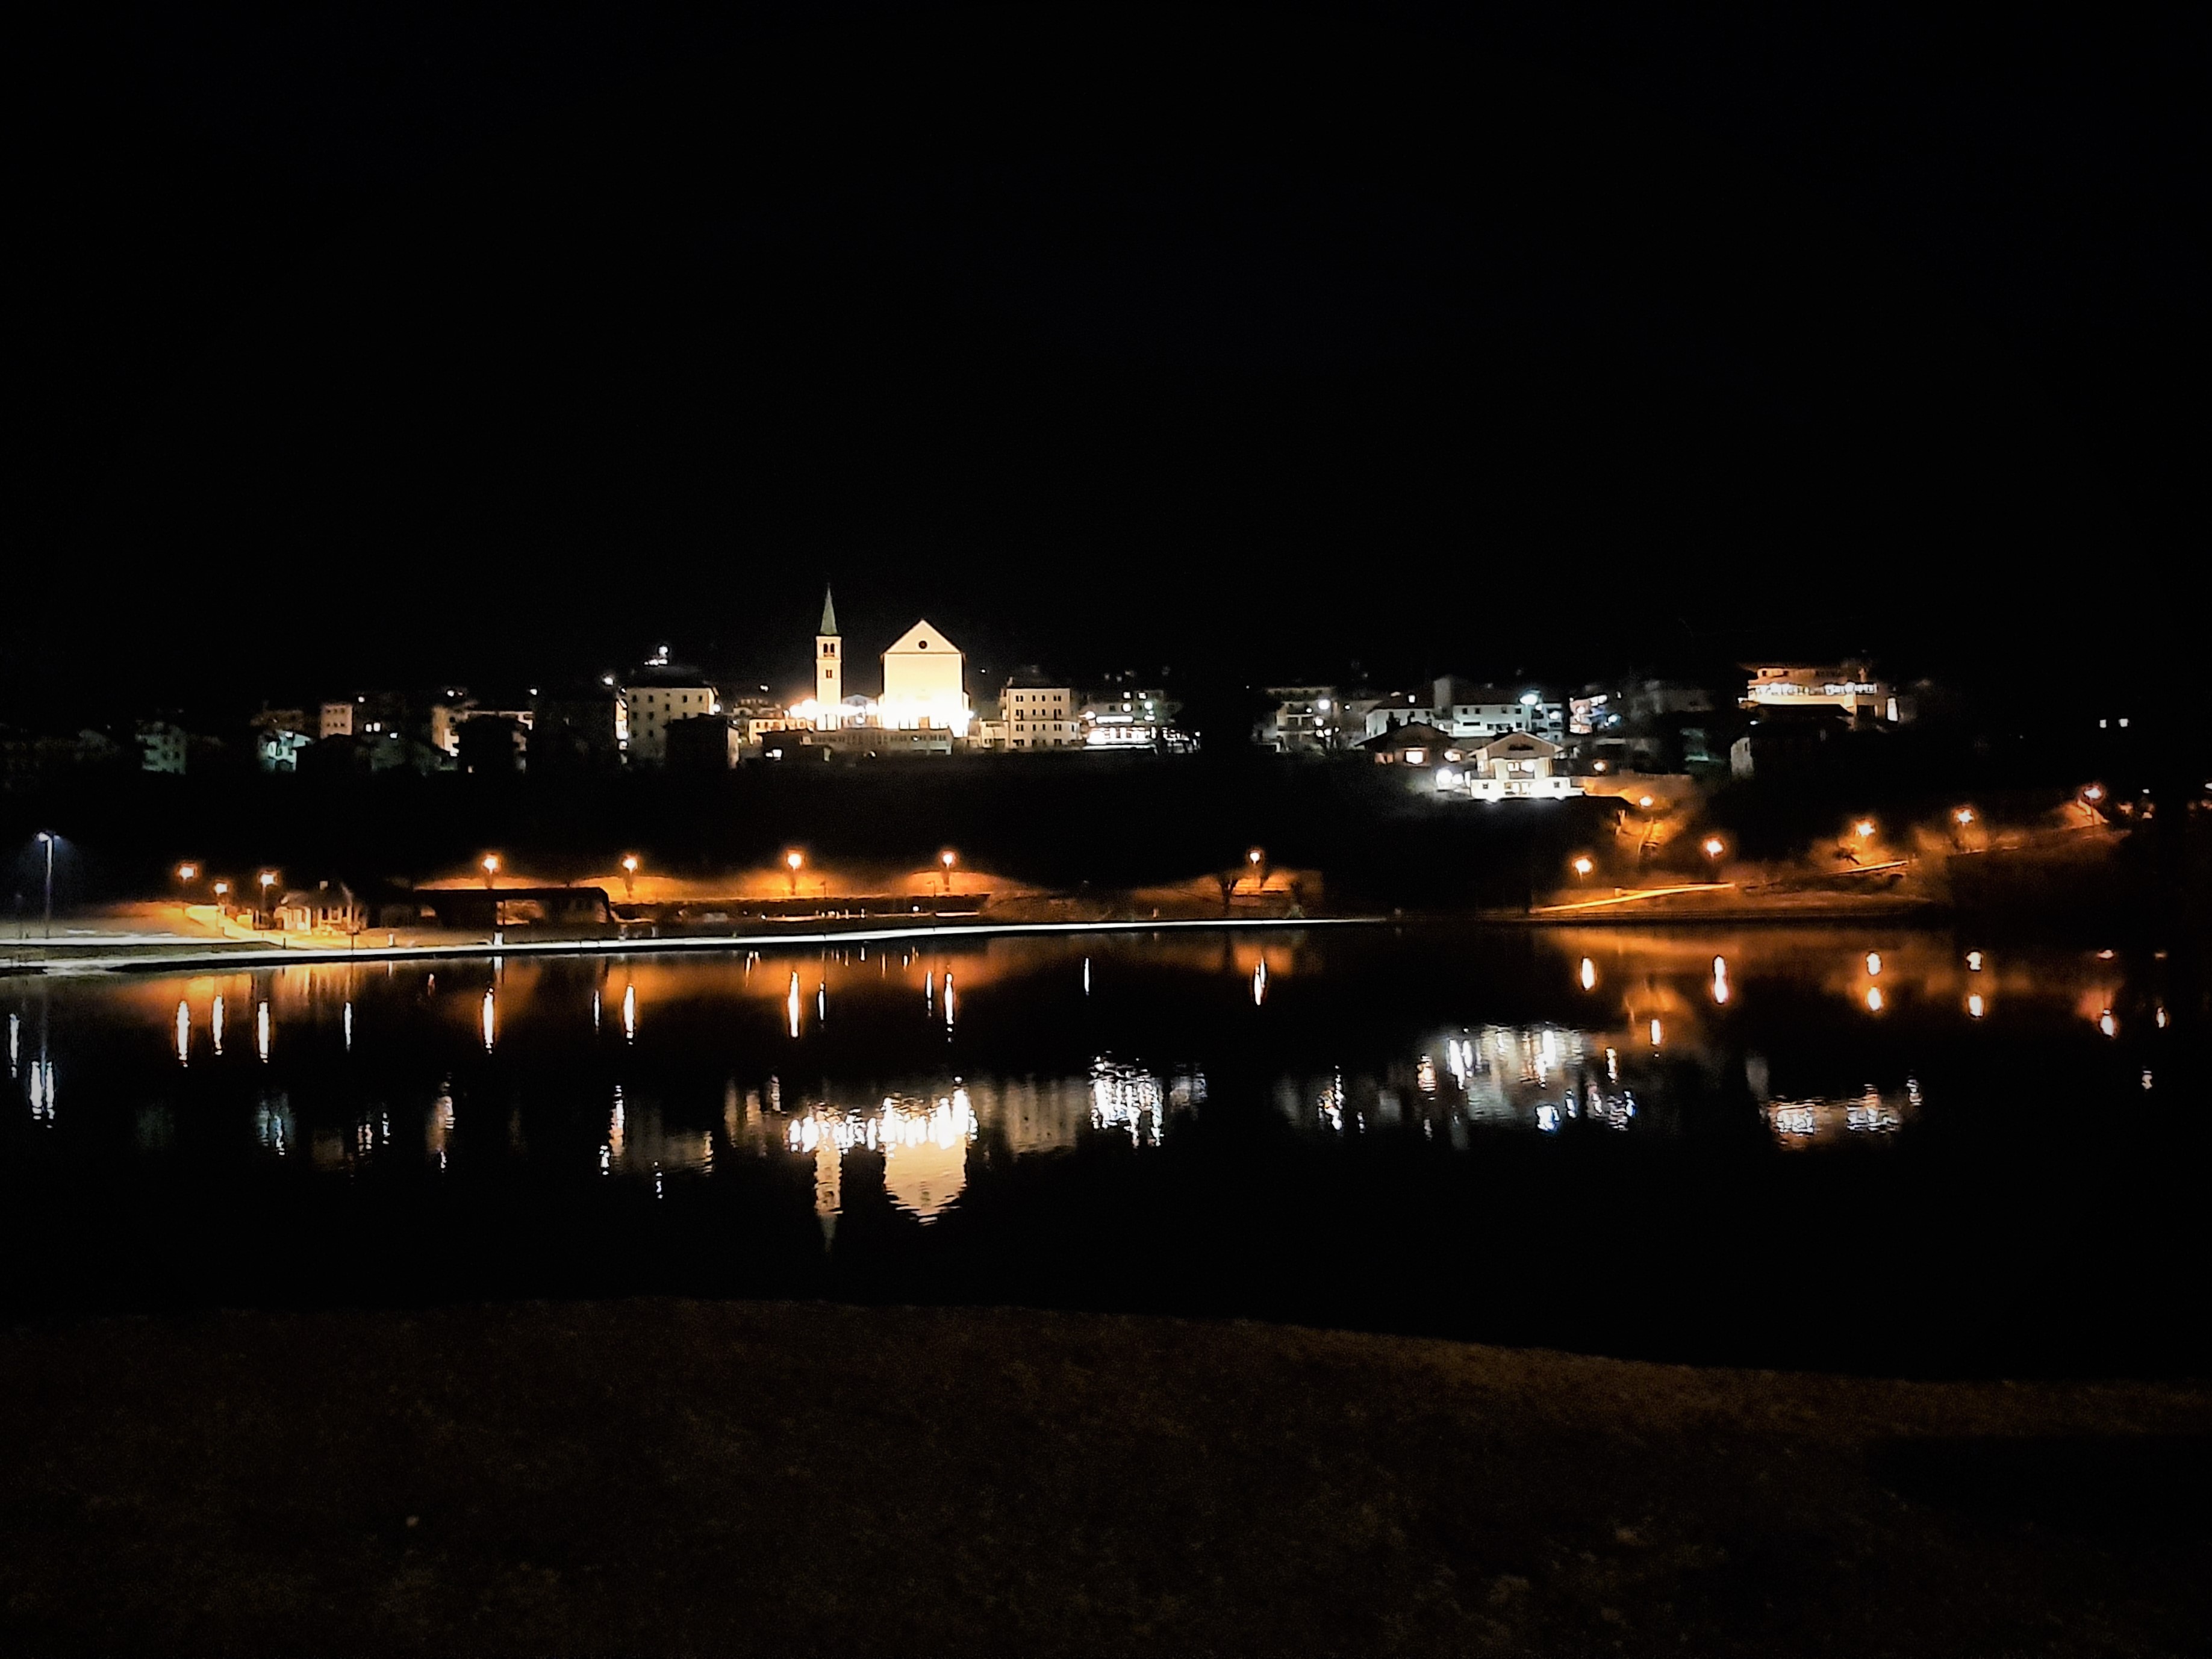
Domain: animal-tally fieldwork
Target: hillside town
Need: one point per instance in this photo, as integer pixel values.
(920, 698)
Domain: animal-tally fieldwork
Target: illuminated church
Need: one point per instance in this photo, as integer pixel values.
(925, 684)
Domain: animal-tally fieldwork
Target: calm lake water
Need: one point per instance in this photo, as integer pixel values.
(1879, 1149)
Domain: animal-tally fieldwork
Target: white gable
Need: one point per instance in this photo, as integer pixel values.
(922, 637)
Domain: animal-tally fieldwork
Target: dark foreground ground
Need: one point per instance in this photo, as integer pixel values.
(674, 1477)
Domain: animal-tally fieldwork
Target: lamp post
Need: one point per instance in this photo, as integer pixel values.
(1257, 858)
(48, 837)
(1714, 847)
(186, 874)
(1582, 867)
(944, 863)
(629, 876)
(490, 866)
(268, 879)
(793, 861)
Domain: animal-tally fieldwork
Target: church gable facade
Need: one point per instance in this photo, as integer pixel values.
(925, 683)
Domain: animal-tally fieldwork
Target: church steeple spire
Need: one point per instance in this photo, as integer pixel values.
(829, 655)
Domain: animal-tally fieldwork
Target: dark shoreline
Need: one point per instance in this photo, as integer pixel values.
(664, 1476)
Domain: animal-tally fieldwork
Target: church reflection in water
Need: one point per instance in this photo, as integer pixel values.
(853, 1066)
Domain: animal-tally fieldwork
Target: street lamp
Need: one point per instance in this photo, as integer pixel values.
(49, 838)
(629, 875)
(268, 879)
(490, 865)
(1582, 867)
(944, 861)
(1864, 828)
(1963, 817)
(1257, 858)
(186, 874)
(1714, 847)
(792, 862)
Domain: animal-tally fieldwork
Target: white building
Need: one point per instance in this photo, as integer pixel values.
(1306, 719)
(1849, 686)
(161, 746)
(1037, 716)
(1518, 766)
(925, 690)
(925, 685)
(666, 694)
(1467, 710)
(1131, 719)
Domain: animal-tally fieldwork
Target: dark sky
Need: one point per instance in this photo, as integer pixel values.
(388, 345)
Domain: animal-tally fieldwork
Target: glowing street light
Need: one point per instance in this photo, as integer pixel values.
(1582, 865)
(629, 875)
(268, 879)
(1963, 817)
(47, 838)
(793, 861)
(1715, 846)
(186, 873)
(1257, 858)
(1864, 828)
(1644, 801)
(946, 860)
(490, 865)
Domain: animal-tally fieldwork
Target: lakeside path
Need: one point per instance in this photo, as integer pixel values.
(141, 951)
(674, 1477)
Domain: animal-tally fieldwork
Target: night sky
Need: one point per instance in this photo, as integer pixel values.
(390, 345)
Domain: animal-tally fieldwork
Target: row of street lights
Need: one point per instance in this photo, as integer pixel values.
(793, 862)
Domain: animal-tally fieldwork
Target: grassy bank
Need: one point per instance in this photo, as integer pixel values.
(679, 1477)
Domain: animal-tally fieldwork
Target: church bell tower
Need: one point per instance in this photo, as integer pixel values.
(829, 676)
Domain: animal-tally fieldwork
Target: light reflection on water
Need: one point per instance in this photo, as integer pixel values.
(1033, 1045)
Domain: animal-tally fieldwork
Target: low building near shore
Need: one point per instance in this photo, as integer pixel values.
(1519, 766)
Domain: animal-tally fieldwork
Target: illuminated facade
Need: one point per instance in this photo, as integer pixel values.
(1519, 766)
(655, 702)
(1038, 715)
(829, 666)
(925, 688)
(1849, 686)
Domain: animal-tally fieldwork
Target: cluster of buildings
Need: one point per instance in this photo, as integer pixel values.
(1464, 737)
(1490, 742)
(663, 715)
